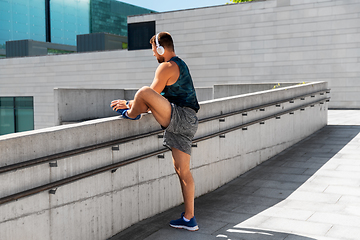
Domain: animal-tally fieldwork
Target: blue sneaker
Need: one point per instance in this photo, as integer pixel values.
(181, 223)
(123, 111)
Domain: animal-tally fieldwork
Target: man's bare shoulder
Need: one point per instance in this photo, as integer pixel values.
(167, 65)
(168, 68)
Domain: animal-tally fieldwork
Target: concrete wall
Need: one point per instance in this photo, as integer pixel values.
(76, 105)
(98, 207)
(270, 41)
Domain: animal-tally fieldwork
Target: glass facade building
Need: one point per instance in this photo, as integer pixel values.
(22, 19)
(25, 19)
(69, 18)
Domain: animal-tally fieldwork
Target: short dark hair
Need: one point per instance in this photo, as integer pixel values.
(165, 40)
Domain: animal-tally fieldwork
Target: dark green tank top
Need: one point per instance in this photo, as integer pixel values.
(182, 92)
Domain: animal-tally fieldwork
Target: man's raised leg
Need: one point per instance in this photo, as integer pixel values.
(147, 98)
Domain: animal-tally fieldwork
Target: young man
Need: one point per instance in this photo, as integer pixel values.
(172, 100)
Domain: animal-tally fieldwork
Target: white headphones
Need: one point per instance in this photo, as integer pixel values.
(160, 49)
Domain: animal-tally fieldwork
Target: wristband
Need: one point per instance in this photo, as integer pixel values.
(127, 104)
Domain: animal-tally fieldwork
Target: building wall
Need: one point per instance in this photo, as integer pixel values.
(270, 41)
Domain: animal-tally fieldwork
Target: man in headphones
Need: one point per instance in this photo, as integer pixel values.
(172, 100)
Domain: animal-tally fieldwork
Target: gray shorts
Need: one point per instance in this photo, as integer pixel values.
(182, 128)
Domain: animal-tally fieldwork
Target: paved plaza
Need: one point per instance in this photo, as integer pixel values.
(310, 191)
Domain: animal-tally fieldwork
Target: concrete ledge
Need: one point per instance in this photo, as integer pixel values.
(77, 104)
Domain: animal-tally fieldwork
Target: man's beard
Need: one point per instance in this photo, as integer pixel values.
(161, 59)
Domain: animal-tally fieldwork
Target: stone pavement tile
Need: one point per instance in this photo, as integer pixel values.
(229, 201)
(233, 232)
(136, 232)
(321, 154)
(312, 186)
(285, 158)
(338, 174)
(292, 153)
(344, 232)
(311, 206)
(295, 226)
(237, 181)
(283, 177)
(179, 234)
(314, 197)
(221, 216)
(275, 162)
(287, 213)
(250, 208)
(344, 190)
(350, 168)
(314, 237)
(310, 172)
(164, 218)
(314, 149)
(273, 184)
(351, 210)
(304, 165)
(148, 226)
(208, 225)
(349, 200)
(234, 190)
(343, 117)
(318, 160)
(331, 165)
(335, 181)
(344, 161)
(258, 200)
(354, 155)
(350, 153)
(331, 146)
(335, 219)
(282, 169)
(273, 193)
(252, 222)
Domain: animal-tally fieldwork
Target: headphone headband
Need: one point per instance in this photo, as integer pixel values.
(157, 40)
(160, 49)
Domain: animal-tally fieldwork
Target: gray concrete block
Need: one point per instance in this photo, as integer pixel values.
(283, 3)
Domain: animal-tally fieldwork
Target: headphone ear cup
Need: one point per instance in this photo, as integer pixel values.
(160, 50)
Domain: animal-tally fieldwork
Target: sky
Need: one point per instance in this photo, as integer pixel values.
(171, 5)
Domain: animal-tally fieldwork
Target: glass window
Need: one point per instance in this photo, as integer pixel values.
(24, 114)
(16, 114)
(7, 124)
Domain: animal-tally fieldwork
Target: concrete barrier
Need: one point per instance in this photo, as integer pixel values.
(100, 206)
(227, 90)
(78, 104)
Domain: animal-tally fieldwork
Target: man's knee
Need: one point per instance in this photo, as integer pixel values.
(143, 91)
(182, 172)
